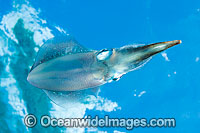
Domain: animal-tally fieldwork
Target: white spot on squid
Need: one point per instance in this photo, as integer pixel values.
(103, 55)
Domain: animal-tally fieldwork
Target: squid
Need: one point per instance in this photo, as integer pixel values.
(62, 64)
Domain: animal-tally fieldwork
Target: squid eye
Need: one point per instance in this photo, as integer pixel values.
(104, 54)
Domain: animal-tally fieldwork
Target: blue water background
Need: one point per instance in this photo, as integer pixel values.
(171, 87)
